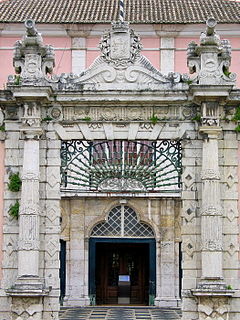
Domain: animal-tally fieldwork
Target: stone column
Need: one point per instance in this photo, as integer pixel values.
(78, 270)
(210, 87)
(29, 244)
(211, 212)
(166, 288)
(29, 289)
(213, 295)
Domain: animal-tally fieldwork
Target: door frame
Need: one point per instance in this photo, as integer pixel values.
(92, 264)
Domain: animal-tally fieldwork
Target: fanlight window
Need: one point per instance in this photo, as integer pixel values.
(112, 166)
(122, 222)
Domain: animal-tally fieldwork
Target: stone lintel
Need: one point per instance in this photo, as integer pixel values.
(124, 97)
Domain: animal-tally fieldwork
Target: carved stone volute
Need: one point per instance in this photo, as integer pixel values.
(210, 61)
(32, 59)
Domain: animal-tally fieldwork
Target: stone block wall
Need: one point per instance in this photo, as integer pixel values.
(13, 161)
(190, 221)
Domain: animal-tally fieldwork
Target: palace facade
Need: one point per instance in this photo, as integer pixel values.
(121, 175)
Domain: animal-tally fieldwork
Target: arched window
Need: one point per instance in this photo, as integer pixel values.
(122, 221)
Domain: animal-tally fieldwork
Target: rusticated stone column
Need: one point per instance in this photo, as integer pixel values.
(211, 213)
(210, 61)
(28, 289)
(28, 245)
(212, 293)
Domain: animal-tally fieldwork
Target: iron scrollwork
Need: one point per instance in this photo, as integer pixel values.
(121, 165)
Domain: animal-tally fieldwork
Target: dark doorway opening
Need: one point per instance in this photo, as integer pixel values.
(62, 270)
(115, 259)
(109, 259)
(180, 270)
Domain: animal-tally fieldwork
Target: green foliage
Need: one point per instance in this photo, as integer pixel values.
(154, 119)
(86, 119)
(2, 128)
(229, 287)
(236, 116)
(15, 182)
(189, 81)
(17, 80)
(14, 210)
(47, 118)
(237, 129)
(197, 118)
(226, 72)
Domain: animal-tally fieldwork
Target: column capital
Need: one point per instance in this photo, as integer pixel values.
(31, 121)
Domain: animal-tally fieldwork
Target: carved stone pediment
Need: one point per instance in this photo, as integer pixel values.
(121, 65)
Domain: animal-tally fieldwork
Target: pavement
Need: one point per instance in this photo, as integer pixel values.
(120, 313)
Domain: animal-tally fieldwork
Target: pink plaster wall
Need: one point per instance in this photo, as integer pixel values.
(92, 44)
(6, 59)
(154, 54)
(181, 55)
(2, 152)
(63, 54)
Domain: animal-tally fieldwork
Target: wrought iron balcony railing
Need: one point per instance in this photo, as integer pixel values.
(116, 166)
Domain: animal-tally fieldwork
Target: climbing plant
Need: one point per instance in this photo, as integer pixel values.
(15, 182)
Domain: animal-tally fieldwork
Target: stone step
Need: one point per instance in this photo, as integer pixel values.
(120, 313)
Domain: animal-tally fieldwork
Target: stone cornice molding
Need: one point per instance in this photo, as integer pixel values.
(78, 30)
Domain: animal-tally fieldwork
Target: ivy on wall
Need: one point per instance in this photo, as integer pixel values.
(14, 185)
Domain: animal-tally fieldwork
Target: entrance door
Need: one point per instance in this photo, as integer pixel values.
(114, 259)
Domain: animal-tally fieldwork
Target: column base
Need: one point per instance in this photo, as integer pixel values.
(28, 286)
(76, 301)
(213, 299)
(212, 287)
(167, 302)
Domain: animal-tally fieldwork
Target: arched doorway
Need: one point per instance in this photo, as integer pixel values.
(122, 248)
